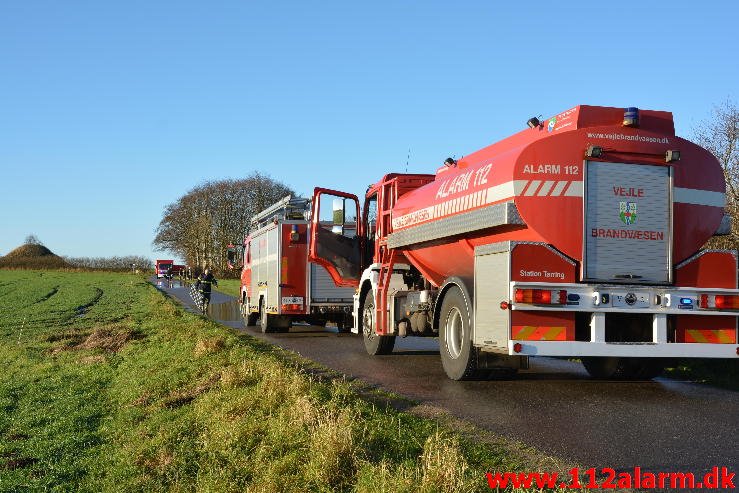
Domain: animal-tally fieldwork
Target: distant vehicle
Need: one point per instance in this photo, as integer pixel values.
(162, 266)
(279, 285)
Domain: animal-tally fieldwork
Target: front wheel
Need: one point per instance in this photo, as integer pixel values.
(458, 355)
(611, 368)
(373, 343)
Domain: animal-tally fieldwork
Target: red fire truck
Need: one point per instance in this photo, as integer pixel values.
(162, 266)
(278, 284)
(579, 236)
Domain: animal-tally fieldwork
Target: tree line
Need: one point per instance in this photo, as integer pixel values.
(200, 225)
(111, 263)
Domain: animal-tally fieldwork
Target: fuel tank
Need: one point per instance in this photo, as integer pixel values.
(599, 190)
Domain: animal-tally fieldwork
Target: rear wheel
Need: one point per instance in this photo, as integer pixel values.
(458, 355)
(343, 326)
(373, 343)
(623, 368)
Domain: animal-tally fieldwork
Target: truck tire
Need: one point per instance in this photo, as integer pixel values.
(623, 368)
(373, 343)
(458, 355)
(343, 326)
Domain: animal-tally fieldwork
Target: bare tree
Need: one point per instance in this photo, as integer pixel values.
(719, 133)
(110, 263)
(202, 223)
(32, 240)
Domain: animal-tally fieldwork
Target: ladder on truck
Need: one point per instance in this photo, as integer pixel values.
(388, 195)
(288, 208)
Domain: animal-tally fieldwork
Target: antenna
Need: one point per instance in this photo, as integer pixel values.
(407, 159)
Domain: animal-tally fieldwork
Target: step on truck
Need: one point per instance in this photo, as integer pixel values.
(579, 237)
(279, 286)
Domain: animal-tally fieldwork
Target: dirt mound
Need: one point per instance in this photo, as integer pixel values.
(30, 251)
(33, 257)
(108, 338)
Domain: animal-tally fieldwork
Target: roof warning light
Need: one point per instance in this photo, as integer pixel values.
(631, 117)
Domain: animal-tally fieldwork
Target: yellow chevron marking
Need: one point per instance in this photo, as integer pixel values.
(525, 332)
(553, 333)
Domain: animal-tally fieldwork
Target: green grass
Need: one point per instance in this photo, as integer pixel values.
(106, 385)
(719, 372)
(231, 287)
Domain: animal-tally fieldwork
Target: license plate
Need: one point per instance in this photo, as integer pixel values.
(292, 300)
(630, 300)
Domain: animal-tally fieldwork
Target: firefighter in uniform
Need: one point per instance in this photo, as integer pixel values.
(204, 284)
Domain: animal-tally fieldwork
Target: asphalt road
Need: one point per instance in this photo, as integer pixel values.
(660, 426)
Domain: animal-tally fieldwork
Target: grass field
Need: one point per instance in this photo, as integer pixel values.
(231, 287)
(106, 385)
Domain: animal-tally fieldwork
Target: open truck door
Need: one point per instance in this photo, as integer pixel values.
(335, 235)
(235, 256)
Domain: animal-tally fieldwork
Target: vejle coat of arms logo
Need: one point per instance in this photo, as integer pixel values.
(627, 212)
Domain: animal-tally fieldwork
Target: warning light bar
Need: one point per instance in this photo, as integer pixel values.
(541, 296)
(719, 302)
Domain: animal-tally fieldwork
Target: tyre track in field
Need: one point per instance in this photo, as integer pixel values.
(83, 309)
(48, 295)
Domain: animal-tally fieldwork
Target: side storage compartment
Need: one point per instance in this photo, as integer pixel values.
(324, 290)
(492, 285)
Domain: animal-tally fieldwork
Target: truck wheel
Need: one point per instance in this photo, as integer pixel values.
(343, 326)
(623, 368)
(458, 356)
(373, 343)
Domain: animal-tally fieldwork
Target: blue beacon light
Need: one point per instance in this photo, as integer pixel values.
(631, 117)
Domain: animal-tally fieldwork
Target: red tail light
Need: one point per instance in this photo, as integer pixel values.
(541, 296)
(720, 302)
(731, 302)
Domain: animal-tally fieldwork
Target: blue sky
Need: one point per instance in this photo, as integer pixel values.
(111, 110)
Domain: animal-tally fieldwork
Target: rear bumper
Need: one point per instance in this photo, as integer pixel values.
(633, 349)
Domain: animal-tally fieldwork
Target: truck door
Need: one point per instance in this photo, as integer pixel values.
(335, 235)
(627, 223)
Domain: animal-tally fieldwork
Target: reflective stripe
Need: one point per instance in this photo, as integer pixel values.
(711, 336)
(699, 197)
(537, 333)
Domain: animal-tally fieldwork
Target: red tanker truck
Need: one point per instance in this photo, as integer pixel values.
(577, 237)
